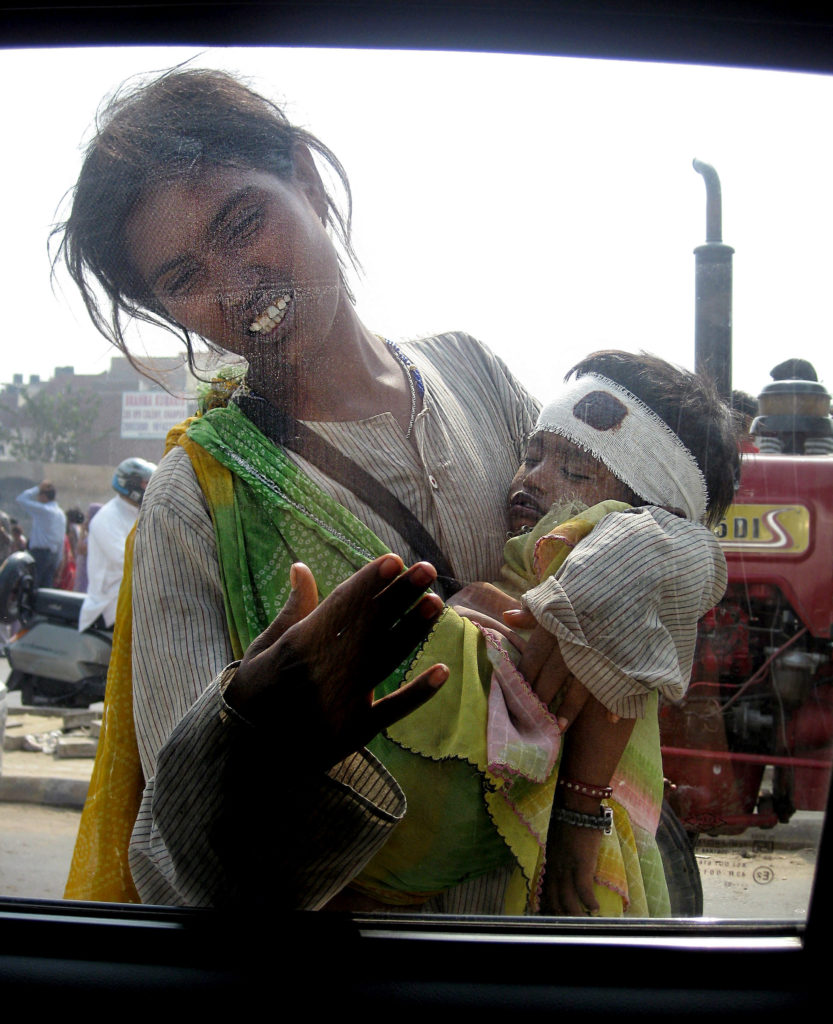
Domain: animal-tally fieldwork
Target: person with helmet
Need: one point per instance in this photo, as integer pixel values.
(105, 543)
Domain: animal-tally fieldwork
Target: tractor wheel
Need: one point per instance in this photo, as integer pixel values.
(681, 871)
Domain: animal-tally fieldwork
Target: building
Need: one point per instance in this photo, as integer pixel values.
(94, 419)
(84, 425)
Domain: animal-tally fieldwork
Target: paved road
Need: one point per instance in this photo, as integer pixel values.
(35, 849)
(762, 874)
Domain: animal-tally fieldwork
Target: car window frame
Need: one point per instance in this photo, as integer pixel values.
(447, 951)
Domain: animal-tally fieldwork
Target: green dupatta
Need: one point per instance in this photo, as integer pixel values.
(268, 514)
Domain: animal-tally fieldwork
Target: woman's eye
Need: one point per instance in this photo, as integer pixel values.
(244, 226)
(179, 283)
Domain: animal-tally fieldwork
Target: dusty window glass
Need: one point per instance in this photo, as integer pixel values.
(548, 208)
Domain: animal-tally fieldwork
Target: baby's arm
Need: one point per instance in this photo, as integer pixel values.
(592, 749)
(619, 620)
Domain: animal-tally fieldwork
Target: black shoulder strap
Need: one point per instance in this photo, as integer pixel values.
(285, 430)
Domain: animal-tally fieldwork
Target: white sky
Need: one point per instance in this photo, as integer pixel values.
(546, 205)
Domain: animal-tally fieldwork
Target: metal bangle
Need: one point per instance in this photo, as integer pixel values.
(602, 822)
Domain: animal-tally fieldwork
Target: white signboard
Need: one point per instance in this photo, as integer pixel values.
(151, 414)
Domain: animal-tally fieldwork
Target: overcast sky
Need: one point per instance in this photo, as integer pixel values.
(546, 205)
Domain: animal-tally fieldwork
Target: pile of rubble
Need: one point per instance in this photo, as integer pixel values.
(59, 732)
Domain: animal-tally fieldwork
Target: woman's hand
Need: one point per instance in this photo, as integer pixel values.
(313, 670)
(485, 604)
(572, 852)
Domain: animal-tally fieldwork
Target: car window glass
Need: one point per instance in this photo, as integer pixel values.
(548, 207)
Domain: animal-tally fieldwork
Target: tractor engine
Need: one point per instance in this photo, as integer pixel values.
(752, 740)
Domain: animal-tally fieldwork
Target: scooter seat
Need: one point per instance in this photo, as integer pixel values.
(59, 605)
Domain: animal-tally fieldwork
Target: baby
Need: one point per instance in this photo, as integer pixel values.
(610, 564)
(625, 604)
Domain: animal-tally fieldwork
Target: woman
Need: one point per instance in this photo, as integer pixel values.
(66, 576)
(200, 207)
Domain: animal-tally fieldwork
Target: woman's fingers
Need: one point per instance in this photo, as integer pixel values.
(375, 598)
(376, 621)
(403, 592)
(350, 605)
(328, 657)
(392, 645)
(406, 699)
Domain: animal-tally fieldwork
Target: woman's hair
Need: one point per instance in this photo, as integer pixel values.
(176, 125)
(690, 405)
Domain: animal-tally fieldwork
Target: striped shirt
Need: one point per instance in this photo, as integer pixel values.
(624, 606)
(468, 441)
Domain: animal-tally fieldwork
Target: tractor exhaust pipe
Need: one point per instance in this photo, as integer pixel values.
(713, 292)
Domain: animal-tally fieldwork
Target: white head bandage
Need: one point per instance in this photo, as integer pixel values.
(633, 442)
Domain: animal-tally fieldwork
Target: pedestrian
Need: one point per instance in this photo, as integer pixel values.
(81, 556)
(106, 540)
(65, 576)
(46, 537)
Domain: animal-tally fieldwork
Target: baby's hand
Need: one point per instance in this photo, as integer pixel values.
(572, 853)
(542, 665)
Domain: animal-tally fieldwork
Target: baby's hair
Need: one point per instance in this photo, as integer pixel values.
(690, 405)
(149, 134)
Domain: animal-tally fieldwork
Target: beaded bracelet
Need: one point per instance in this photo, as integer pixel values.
(587, 789)
(602, 822)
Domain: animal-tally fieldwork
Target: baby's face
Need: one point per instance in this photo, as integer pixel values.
(556, 470)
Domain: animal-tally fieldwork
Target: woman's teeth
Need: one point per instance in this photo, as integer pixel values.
(271, 316)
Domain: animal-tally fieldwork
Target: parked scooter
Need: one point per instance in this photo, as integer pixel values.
(52, 663)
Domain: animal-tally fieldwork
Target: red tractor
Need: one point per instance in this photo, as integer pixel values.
(761, 694)
(752, 742)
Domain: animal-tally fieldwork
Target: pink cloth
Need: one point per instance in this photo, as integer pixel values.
(522, 736)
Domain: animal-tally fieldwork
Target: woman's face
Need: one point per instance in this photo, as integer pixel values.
(556, 470)
(240, 257)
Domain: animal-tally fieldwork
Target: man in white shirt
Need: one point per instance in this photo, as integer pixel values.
(106, 540)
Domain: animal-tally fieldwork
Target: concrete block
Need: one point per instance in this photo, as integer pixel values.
(76, 746)
(74, 718)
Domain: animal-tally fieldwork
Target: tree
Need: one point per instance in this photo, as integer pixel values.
(52, 426)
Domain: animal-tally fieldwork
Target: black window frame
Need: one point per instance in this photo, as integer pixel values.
(172, 959)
